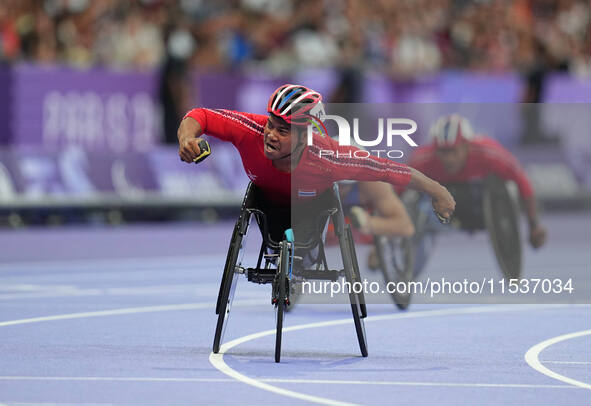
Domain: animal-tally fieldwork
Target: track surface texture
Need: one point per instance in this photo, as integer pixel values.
(126, 316)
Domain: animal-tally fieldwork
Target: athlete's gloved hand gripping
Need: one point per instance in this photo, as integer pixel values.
(442, 201)
(188, 134)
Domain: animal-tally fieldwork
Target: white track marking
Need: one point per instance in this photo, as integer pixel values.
(113, 378)
(403, 383)
(56, 404)
(567, 362)
(280, 380)
(531, 357)
(30, 291)
(129, 310)
(120, 263)
(217, 360)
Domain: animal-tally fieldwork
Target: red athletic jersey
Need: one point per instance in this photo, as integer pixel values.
(315, 172)
(485, 156)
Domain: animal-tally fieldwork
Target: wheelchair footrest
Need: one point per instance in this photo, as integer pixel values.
(259, 275)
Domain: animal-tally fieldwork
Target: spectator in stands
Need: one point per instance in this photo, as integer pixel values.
(403, 38)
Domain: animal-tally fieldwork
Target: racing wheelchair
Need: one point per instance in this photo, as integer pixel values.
(396, 257)
(292, 251)
(485, 205)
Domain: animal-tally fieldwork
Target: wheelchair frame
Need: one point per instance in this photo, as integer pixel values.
(281, 264)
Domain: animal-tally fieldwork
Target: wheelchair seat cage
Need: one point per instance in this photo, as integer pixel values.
(284, 260)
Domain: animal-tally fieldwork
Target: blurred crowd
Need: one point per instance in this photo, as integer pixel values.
(402, 37)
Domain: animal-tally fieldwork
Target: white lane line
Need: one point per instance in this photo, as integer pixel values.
(403, 383)
(139, 262)
(129, 310)
(87, 262)
(112, 378)
(217, 360)
(30, 291)
(280, 380)
(532, 358)
(55, 404)
(567, 362)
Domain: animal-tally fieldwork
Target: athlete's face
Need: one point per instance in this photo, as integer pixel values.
(277, 139)
(453, 159)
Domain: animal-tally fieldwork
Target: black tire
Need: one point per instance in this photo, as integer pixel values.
(397, 263)
(501, 217)
(281, 290)
(356, 273)
(353, 297)
(359, 324)
(227, 288)
(234, 242)
(423, 241)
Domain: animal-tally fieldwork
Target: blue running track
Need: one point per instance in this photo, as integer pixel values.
(125, 316)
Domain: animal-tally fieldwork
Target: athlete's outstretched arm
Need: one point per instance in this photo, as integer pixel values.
(443, 202)
(226, 125)
(537, 233)
(345, 162)
(504, 164)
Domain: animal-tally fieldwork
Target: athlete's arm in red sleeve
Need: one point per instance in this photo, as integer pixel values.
(226, 125)
(348, 162)
(355, 164)
(420, 160)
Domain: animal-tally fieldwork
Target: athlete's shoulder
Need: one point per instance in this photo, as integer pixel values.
(321, 148)
(487, 149)
(324, 142)
(427, 149)
(254, 122)
(482, 142)
(422, 154)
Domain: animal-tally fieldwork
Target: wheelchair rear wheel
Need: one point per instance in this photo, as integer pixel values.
(228, 259)
(501, 217)
(397, 262)
(228, 286)
(423, 241)
(347, 250)
(357, 274)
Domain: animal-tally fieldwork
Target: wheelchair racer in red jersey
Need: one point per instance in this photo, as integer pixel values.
(456, 158)
(281, 163)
